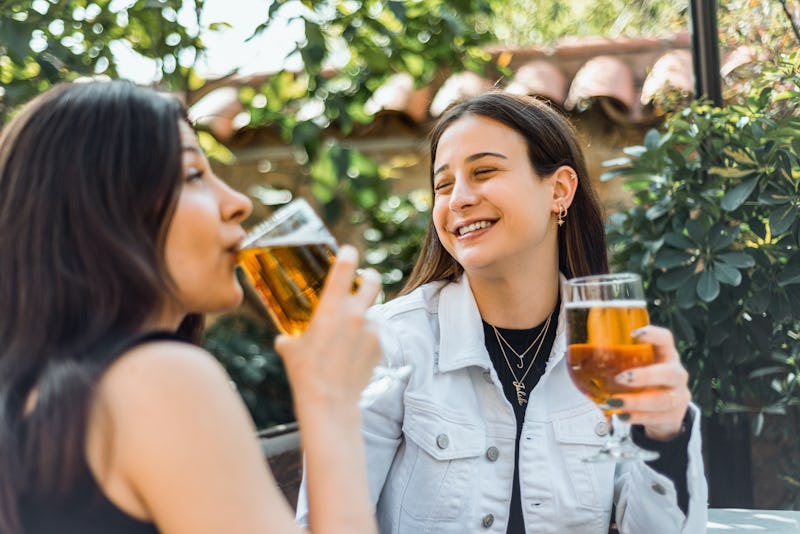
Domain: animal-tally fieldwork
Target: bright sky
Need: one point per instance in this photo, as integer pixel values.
(227, 48)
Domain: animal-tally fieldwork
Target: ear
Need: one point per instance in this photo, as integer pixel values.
(565, 183)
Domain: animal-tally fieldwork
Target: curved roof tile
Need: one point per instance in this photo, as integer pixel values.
(674, 70)
(540, 78)
(602, 76)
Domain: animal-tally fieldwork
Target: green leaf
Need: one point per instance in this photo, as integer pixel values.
(667, 258)
(616, 161)
(651, 139)
(739, 156)
(725, 274)
(672, 280)
(766, 371)
(657, 211)
(789, 275)
(685, 295)
(741, 260)
(736, 196)
(782, 218)
(707, 286)
(697, 231)
(730, 172)
(721, 237)
(679, 241)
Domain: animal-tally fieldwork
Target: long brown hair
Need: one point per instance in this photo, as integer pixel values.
(89, 180)
(552, 142)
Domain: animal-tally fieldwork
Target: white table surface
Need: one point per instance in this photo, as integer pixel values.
(739, 521)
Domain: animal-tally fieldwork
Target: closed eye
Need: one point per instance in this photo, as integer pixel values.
(193, 173)
(442, 186)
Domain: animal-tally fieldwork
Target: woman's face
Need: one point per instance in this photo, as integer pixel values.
(491, 211)
(204, 235)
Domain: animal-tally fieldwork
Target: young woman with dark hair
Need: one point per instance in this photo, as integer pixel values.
(478, 443)
(115, 235)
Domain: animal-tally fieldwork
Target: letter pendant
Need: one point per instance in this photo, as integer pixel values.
(521, 395)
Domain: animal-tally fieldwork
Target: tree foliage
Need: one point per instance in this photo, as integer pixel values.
(715, 229)
(43, 42)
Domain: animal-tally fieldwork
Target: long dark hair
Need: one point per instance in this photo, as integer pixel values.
(552, 142)
(89, 178)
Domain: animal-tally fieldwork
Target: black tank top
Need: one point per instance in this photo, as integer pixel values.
(87, 510)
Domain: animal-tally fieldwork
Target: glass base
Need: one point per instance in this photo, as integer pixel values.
(621, 450)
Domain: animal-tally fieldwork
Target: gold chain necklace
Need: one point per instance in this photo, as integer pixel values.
(501, 340)
(518, 383)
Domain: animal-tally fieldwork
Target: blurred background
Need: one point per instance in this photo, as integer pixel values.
(332, 100)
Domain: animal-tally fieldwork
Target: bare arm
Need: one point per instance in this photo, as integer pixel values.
(328, 367)
(183, 452)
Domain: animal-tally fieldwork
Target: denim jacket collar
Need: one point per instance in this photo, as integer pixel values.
(461, 344)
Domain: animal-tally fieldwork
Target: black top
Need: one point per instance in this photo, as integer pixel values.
(674, 456)
(87, 510)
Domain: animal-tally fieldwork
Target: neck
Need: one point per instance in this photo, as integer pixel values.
(519, 301)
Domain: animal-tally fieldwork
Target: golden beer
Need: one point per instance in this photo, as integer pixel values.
(288, 279)
(601, 345)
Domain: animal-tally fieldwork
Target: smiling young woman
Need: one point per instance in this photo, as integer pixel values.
(490, 432)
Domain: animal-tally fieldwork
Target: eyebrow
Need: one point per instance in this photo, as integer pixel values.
(473, 157)
(190, 148)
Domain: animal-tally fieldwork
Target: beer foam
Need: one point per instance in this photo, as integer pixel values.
(605, 304)
(308, 237)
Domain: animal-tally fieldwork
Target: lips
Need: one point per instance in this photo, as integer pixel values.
(472, 227)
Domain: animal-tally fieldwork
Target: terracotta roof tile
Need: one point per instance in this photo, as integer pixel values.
(541, 78)
(623, 76)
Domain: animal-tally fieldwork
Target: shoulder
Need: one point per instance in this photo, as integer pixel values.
(161, 367)
(154, 390)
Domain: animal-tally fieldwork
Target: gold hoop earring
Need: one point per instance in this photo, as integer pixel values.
(562, 215)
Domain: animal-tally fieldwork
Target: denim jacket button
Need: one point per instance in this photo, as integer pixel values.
(488, 520)
(601, 429)
(442, 441)
(492, 453)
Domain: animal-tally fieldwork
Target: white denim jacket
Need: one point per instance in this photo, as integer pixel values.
(440, 451)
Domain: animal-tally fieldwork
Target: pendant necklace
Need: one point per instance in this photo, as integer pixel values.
(519, 383)
(521, 356)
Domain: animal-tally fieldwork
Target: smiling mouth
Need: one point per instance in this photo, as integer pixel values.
(478, 225)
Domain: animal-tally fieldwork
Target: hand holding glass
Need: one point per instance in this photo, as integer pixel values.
(286, 259)
(602, 311)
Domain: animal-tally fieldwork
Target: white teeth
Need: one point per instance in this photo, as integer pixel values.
(474, 226)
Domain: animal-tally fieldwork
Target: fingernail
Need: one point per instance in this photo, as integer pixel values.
(615, 403)
(625, 377)
(347, 253)
(639, 332)
(623, 416)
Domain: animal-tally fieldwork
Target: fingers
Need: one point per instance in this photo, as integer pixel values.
(662, 341)
(662, 394)
(369, 288)
(668, 375)
(339, 283)
(340, 277)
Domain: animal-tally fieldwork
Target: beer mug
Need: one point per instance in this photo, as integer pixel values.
(602, 311)
(286, 260)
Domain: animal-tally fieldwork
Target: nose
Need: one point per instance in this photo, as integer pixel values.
(463, 194)
(234, 206)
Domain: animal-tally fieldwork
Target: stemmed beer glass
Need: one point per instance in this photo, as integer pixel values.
(286, 259)
(602, 311)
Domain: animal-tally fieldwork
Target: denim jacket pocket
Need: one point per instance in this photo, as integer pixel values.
(445, 448)
(579, 435)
